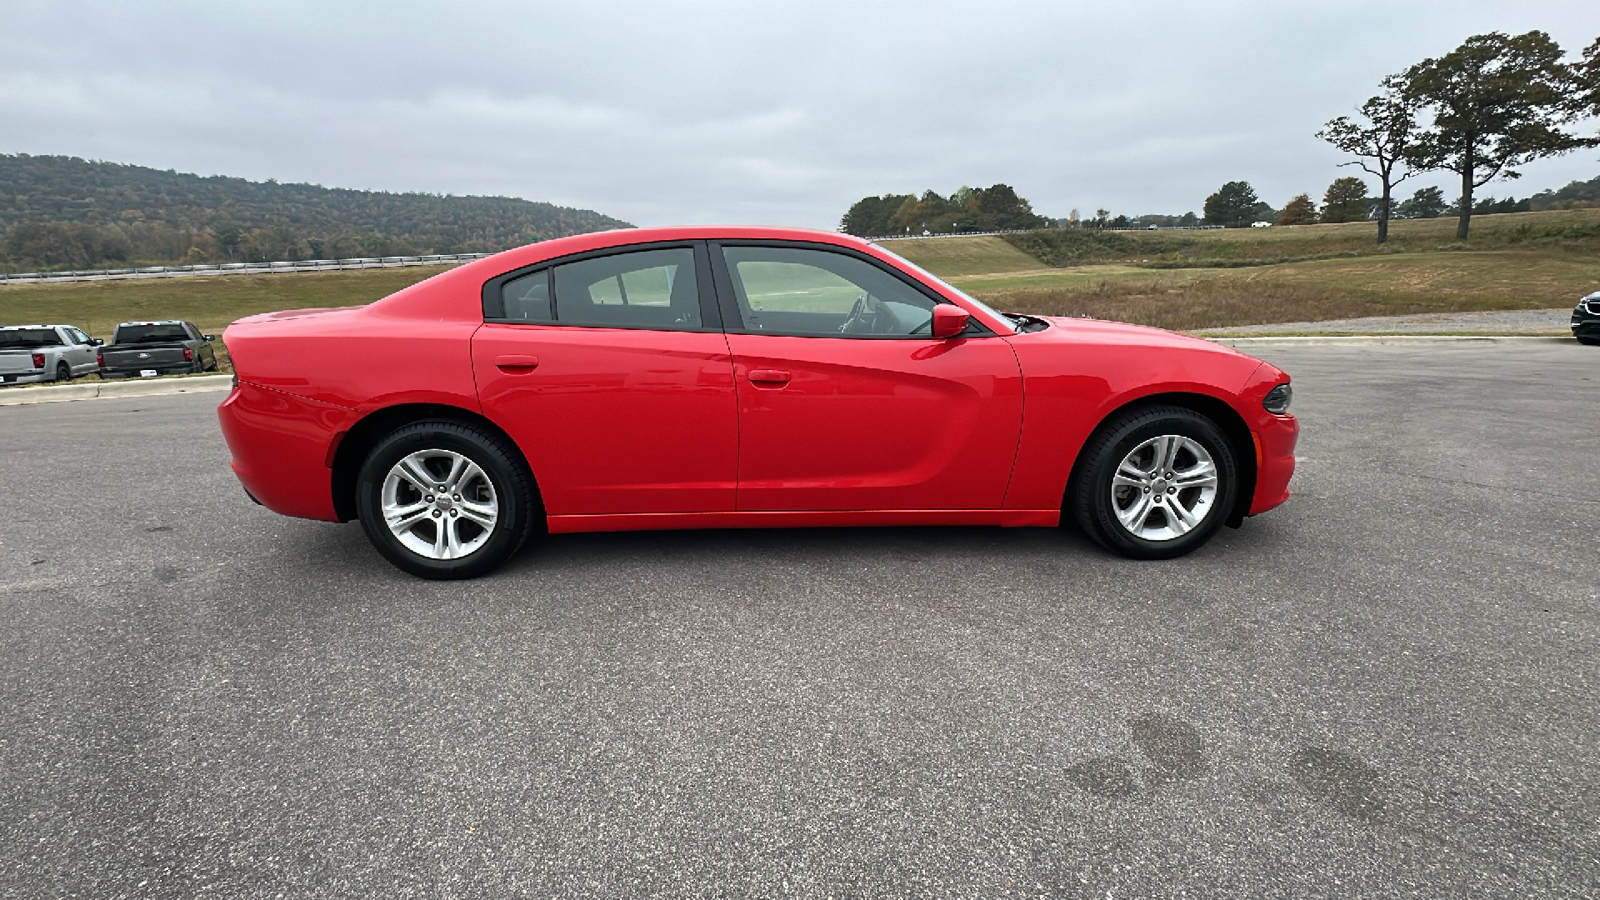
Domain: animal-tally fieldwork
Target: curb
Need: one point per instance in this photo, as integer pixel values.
(1359, 340)
(62, 393)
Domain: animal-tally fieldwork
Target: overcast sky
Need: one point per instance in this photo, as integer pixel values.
(751, 112)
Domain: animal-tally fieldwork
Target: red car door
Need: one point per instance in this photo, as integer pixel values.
(620, 391)
(846, 402)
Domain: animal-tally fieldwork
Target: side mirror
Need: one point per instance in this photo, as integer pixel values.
(96, 342)
(209, 337)
(949, 320)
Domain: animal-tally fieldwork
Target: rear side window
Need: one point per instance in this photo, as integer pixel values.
(527, 299)
(643, 289)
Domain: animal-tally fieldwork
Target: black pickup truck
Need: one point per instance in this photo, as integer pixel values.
(156, 348)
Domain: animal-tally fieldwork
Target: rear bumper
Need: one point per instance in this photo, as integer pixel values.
(121, 372)
(1275, 439)
(26, 377)
(281, 448)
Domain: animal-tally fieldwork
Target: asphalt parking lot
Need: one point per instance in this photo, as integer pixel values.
(1388, 687)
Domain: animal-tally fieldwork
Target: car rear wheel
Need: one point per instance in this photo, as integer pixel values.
(1155, 483)
(1591, 341)
(63, 372)
(445, 500)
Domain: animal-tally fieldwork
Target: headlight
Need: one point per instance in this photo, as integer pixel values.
(1277, 400)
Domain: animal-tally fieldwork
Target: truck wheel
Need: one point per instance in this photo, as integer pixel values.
(63, 372)
(1154, 483)
(446, 500)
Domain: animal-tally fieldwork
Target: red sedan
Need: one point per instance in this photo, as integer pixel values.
(737, 377)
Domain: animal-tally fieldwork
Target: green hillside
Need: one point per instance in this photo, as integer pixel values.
(64, 212)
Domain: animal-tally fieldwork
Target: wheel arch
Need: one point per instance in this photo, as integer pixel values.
(1219, 411)
(354, 445)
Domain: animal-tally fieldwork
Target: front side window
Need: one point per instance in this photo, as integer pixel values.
(643, 289)
(791, 290)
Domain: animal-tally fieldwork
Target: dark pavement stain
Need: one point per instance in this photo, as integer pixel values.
(167, 574)
(37, 562)
(1172, 745)
(160, 528)
(1342, 780)
(1104, 776)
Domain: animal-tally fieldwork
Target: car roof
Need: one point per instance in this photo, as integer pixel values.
(622, 237)
(15, 327)
(154, 322)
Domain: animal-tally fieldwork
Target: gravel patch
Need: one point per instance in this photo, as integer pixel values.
(1508, 321)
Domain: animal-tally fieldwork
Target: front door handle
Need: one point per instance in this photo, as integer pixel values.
(773, 377)
(516, 363)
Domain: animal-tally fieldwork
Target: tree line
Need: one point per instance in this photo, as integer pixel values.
(994, 208)
(65, 212)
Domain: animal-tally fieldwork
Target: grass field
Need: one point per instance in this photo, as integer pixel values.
(1182, 280)
(1306, 273)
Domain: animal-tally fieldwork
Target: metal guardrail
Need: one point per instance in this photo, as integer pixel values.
(246, 268)
(1084, 227)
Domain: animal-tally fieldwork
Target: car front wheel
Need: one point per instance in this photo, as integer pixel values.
(1155, 483)
(445, 500)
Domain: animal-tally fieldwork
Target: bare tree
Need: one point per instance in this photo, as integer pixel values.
(1380, 141)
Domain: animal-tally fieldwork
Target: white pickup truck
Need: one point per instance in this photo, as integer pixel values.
(45, 353)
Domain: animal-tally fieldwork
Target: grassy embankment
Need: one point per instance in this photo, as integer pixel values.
(1174, 279)
(1218, 279)
(210, 302)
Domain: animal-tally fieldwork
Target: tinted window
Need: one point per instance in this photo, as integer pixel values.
(30, 337)
(78, 337)
(151, 334)
(789, 290)
(527, 299)
(643, 289)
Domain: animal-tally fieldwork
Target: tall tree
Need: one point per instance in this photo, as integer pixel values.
(1299, 211)
(1346, 200)
(1232, 206)
(1586, 101)
(1496, 102)
(1379, 142)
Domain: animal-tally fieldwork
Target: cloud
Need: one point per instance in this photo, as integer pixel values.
(779, 112)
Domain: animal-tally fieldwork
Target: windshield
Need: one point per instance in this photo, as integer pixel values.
(940, 281)
(150, 334)
(29, 337)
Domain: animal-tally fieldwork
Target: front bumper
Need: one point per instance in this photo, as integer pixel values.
(1275, 438)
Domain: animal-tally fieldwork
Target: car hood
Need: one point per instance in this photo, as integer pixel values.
(1103, 332)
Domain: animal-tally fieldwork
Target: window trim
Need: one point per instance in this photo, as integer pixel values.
(733, 317)
(493, 295)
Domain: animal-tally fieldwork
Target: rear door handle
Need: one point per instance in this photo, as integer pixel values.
(516, 363)
(776, 377)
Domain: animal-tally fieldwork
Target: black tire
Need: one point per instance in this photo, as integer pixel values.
(1094, 500)
(63, 371)
(519, 511)
(1591, 341)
